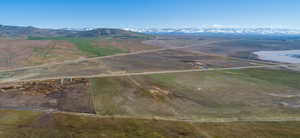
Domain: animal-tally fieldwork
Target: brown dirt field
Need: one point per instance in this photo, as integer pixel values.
(14, 53)
(71, 96)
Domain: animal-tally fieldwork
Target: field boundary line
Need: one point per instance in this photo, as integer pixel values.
(157, 118)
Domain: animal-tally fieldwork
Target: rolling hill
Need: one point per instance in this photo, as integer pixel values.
(25, 32)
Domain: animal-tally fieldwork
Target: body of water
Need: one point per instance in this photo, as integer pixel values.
(286, 56)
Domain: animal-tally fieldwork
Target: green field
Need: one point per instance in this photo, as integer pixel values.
(275, 77)
(85, 45)
(248, 94)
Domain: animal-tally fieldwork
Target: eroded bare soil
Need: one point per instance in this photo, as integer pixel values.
(57, 95)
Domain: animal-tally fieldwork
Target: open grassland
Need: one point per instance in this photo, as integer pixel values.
(26, 124)
(248, 94)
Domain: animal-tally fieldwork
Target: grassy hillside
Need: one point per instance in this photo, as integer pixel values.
(25, 124)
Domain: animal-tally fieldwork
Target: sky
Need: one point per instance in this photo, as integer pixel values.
(150, 13)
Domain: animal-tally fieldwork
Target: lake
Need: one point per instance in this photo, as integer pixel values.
(286, 56)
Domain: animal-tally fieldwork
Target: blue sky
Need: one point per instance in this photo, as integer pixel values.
(149, 13)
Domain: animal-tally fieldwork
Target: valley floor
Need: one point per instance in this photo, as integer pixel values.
(175, 90)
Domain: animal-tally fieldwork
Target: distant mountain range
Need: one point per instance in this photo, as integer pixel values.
(25, 32)
(219, 30)
(20, 31)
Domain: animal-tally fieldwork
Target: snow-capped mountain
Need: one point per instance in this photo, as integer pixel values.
(79, 29)
(223, 30)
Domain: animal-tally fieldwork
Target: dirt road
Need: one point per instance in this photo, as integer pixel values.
(140, 73)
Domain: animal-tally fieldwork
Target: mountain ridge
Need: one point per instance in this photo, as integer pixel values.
(29, 31)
